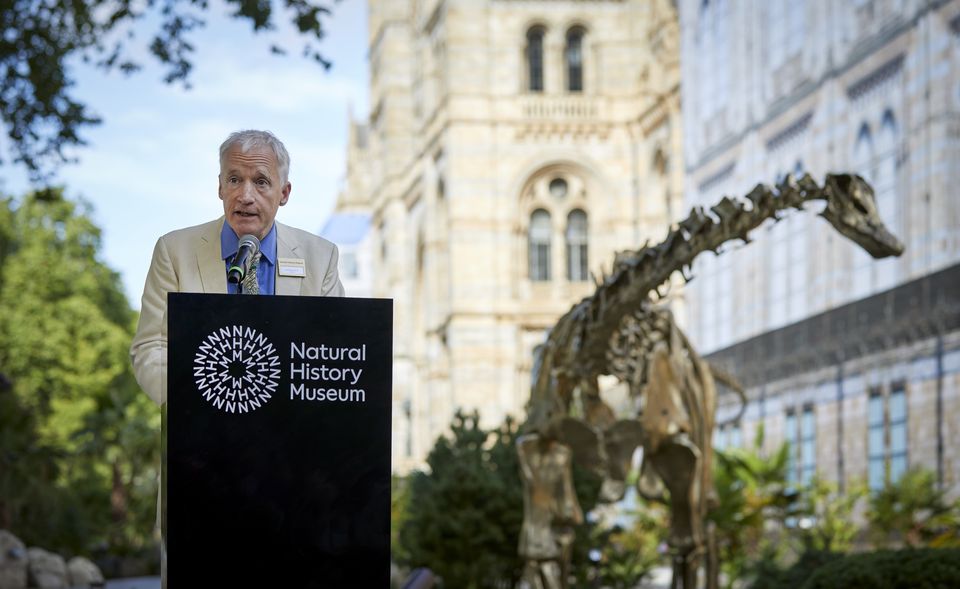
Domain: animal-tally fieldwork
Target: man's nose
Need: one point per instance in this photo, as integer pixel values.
(246, 192)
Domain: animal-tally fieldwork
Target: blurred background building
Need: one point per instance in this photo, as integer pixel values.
(513, 147)
(856, 362)
(510, 150)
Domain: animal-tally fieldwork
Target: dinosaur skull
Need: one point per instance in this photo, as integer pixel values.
(852, 210)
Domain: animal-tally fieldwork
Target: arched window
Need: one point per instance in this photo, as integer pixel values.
(886, 149)
(535, 59)
(573, 56)
(577, 246)
(863, 151)
(539, 245)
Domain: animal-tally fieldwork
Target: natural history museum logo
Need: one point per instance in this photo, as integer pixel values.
(237, 369)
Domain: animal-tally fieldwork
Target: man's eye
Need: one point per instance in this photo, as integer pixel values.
(233, 180)
(263, 182)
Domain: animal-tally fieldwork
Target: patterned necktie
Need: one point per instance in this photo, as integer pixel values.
(250, 284)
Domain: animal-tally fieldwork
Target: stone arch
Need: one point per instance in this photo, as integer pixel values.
(537, 187)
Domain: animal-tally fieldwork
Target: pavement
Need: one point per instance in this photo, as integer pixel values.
(134, 583)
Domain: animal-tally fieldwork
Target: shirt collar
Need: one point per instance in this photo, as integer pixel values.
(230, 242)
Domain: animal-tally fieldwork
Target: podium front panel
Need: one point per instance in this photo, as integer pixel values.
(277, 441)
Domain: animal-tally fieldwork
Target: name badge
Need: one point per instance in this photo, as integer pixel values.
(291, 267)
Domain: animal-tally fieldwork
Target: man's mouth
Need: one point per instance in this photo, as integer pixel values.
(245, 214)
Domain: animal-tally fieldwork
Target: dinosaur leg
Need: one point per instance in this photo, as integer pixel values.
(678, 462)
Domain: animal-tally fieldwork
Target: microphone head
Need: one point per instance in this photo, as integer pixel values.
(250, 241)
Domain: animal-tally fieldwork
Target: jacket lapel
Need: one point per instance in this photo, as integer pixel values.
(286, 285)
(213, 274)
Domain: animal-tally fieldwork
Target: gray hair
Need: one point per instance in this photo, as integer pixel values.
(248, 139)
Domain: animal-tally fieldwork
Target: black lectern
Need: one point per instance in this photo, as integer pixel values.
(277, 442)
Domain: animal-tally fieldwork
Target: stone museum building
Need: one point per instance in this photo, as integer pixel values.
(856, 362)
(512, 147)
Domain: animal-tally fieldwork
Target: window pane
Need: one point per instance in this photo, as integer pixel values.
(807, 453)
(875, 474)
(898, 465)
(875, 443)
(539, 245)
(577, 246)
(574, 58)
(558, 187)
(790, 429)
(540, 225)
(898, 438)
(807, 424)
(535, 59)
(875, 410)
(898, 405)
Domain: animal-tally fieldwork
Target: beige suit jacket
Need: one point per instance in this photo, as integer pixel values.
(188, 260)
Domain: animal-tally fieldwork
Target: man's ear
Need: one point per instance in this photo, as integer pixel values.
(285, 194)
(219, 187)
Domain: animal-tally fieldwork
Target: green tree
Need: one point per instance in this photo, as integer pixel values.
(832, 527)
(465, 514)
(914, 512)
(628, 555)
(38, 39)
(79, 439)
(399, 513)
(755, 501)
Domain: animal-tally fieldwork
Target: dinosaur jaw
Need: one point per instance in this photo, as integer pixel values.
(852, 210)
(875, 239)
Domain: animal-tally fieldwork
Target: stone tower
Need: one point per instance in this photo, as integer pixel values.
(511, 149)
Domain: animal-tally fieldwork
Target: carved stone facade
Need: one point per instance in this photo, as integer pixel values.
(871, 86)
(511, 148)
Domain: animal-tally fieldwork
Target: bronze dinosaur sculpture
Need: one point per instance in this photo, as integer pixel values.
(620, 331)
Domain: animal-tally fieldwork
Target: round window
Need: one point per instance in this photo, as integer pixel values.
(558, 187)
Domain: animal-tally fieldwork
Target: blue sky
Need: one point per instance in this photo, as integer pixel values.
(152, 166)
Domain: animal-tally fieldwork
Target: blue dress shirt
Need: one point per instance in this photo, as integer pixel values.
(266, 277)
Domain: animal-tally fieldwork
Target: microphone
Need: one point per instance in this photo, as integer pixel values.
(240, 264)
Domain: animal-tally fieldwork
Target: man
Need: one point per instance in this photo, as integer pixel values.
(253, 185)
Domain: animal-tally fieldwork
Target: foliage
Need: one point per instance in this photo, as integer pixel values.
(830, 513)
(754, 500)
(628, 555)
(41, 37)
(464, 515)
(399, 513)
(770, 576)
(914, 512)
(78, 466)
(888, 569)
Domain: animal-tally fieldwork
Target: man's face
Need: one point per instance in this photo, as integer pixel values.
(251, 190)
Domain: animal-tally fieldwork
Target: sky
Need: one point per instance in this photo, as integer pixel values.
(151, 166)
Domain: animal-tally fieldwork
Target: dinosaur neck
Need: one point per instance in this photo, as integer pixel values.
(640, 273)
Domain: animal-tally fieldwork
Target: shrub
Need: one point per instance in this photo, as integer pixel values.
(769, 576)
(926, 568)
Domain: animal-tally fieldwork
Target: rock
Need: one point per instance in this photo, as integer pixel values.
(82, 573)
(47, 570)
(13, 562)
